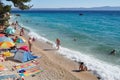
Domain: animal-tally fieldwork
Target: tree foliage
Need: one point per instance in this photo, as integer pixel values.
(21, 4)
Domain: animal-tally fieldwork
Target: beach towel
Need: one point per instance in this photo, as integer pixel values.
(31, 71)
(11, 76)
(26, 65)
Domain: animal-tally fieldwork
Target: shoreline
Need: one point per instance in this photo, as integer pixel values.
(52, 55)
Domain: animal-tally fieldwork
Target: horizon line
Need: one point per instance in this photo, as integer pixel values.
(71, 7)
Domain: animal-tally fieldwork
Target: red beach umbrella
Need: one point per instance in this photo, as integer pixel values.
(1, 35)
(25, 48)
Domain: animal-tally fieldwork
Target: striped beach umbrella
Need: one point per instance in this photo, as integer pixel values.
(2, 39)
(6, 45)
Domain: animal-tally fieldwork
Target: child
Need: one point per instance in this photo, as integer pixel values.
(2, 59)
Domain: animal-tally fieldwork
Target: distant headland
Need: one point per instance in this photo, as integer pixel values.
(103, 8)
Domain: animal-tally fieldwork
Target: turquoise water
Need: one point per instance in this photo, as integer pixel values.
(96, 33)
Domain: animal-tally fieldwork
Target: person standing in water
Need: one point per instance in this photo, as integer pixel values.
(113, 52)
(22, 31)
(16, 25)
(57, 43)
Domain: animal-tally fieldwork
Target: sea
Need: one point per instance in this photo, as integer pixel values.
(86, 36)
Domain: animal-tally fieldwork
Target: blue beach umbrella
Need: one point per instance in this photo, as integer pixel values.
(2, 39)
(10, 30)
(20, 40)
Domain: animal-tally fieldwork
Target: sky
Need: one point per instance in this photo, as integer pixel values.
(73, 3)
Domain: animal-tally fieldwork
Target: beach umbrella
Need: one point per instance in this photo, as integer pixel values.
(25, 48)
(6, 45)
(10, 30)
(2, 39)
(20, 40)
(2, 35)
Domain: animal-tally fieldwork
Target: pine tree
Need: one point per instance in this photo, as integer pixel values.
(21, 4)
